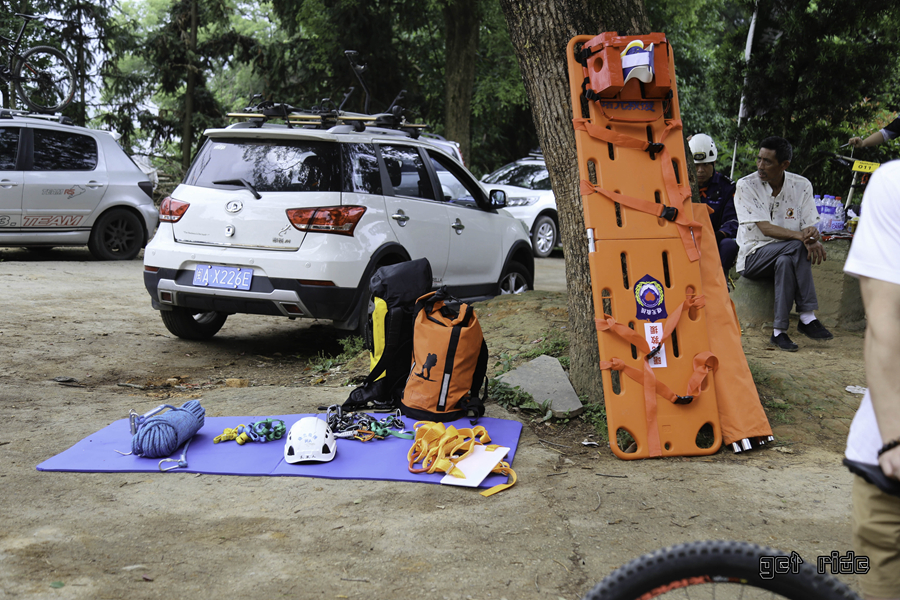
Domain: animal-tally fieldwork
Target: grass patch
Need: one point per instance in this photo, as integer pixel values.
(350, 349)
(595, 415)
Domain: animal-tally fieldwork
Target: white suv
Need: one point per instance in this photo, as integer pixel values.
(292, 221)
(62, 185)
(531, 199)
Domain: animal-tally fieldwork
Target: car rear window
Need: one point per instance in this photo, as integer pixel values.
(9, 148)
(269, 165)
(63, 151)
(531, 176)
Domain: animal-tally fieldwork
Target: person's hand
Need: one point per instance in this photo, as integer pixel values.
(856, 142)
(809, 235)
(890, 462)
(815, 251)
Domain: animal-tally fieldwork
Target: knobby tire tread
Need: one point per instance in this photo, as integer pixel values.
(655, 571)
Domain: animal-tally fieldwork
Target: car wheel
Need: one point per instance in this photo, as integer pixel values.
(192, 324)
(514, 279)
(544, 237)
(117, 235)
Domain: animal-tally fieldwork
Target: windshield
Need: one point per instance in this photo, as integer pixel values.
(531, 176)
(269, 166)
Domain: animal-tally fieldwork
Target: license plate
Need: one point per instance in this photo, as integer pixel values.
(226, 278)
(865, 167)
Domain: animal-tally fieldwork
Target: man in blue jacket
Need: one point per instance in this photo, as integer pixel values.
(717, 191)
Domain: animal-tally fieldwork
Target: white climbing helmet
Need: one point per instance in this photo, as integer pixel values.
(310, 439)
(703, 148)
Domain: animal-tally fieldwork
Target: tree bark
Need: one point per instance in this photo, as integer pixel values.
(462, 20)
(540, 31)
(187, 130)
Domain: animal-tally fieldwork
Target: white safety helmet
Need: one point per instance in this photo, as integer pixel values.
(703, 148)
(310, 439)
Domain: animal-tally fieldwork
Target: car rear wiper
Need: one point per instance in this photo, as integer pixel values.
(241, 182)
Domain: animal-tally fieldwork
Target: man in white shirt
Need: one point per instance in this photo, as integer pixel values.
(873, 445)
(778, 239)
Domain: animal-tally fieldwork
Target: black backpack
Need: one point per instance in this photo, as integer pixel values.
(389, 333)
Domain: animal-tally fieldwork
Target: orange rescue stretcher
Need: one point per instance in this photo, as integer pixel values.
(653, 258)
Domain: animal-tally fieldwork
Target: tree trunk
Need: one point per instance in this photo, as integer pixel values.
(540, 31)
(462, 20)
(186, 127)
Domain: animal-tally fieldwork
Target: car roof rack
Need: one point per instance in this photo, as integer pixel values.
(7, 113)
(326, 117)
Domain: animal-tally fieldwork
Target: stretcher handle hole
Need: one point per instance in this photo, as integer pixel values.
(677, 170)
(665, 265)
(606, 296)
(616, 382)
(618, 214)
(592, 172)
(624, 270)
(611, 149)
(633, 348)
(667, 446)
(706, 436)
(625, 441)
(674, 338)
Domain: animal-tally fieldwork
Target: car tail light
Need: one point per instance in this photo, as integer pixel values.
(341, 220)
(150, 269)
(170, 211)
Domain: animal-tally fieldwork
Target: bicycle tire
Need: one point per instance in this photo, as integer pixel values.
(674, 571)
(44, 79)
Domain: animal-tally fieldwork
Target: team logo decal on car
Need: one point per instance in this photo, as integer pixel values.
(651, 299)
(68, 192)
(234, 206)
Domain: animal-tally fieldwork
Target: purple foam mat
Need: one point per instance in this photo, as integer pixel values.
(379, 459)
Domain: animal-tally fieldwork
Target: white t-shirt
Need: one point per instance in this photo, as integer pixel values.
(793, 208)
(875, 253)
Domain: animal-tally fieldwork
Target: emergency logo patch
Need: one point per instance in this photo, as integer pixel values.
(650, 298)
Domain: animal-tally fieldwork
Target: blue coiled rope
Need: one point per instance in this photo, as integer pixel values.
(161, 435)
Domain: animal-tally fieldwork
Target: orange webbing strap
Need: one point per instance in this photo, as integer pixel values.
(439, 448)
(648, 379)
(704, 362)
(689, 230)
(609, 136)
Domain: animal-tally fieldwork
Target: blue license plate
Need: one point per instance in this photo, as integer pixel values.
(226, 278)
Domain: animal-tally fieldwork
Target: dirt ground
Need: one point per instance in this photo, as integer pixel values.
(576, 513)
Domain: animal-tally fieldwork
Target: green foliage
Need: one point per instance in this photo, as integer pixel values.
(350, 349)
(595, 415)
(513, 397)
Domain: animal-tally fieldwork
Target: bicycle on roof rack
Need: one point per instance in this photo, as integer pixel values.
(42, 76)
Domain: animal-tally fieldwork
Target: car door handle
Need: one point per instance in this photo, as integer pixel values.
(94, 184)
(400, 217)
(458, 226)
(6, 184)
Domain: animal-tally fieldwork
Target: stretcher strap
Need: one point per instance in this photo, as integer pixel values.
(704, 362)
(648, 378)
(678, 196)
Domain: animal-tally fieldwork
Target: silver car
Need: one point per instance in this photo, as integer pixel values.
(62, 185)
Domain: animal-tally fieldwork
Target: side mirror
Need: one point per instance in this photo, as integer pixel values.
(498, 199)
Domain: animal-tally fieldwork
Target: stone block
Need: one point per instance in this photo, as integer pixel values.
(545, 379)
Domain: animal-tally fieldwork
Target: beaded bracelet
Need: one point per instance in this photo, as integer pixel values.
(889, 446)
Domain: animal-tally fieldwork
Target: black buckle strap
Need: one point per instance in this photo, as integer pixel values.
(655, 351)
(684, 399)
(669, 213)
(584, 54)
(654, 147)
(588, 92)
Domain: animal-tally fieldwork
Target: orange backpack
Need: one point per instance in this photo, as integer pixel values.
(449, 362)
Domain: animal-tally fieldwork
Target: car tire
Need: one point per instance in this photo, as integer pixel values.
(191, 324)
(514, 279)
(544, 236)
(117, 235)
